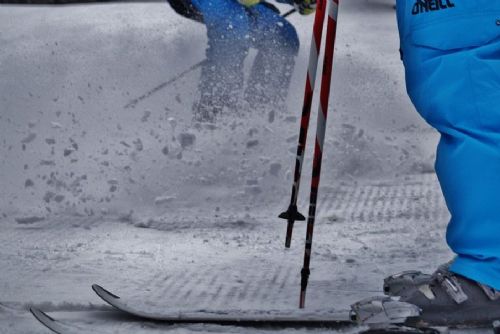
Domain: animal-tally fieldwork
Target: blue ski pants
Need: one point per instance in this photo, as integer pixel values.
(451, 53)
(233, 29)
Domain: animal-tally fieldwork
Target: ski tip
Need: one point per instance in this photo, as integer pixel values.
(40, 315)
(103, 293)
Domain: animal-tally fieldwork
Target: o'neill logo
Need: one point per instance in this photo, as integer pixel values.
(424, 6)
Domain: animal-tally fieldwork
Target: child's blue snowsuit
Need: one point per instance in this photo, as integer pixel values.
(451, 53)
(232, 29)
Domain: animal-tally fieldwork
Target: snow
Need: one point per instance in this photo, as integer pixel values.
(102, 185)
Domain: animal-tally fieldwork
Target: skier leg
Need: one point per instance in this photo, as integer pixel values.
(466, 114)
(221, 79)
(454, 81)
(277, 45)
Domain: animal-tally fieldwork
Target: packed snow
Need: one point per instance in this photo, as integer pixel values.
(106, 179)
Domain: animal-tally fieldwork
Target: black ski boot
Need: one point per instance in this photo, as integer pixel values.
(452, 300)
(403, 284)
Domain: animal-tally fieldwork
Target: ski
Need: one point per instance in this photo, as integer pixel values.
(57, 326)
(292, 318)
(243, 318)
(260, 318)
(60, 327)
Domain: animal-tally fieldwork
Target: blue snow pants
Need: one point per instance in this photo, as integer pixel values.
(451, 53)
(232, 29)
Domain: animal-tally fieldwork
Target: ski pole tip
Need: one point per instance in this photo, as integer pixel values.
(302, 302)
(496, 327)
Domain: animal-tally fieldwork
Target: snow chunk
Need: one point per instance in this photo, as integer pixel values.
(29, 138)
(275, 168)
(160, 200)
(172, 122)
(271, 116)
(56, 125)
(49, 195)
(164, 150)
(186, 139)
(145, 116)
(145, 224)
(252, 182)
(138, 144)
(29, 220)
(126, 217)
(47, 163)
(252, 143)
(253, 190)
(68, 151)
(59, 198)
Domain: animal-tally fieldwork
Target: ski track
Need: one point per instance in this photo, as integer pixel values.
(206, 267)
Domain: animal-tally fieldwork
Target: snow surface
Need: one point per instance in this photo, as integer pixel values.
(145, 203)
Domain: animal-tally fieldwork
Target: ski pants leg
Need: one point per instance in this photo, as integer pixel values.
(227, 24)
(277, 44)
(451, 53)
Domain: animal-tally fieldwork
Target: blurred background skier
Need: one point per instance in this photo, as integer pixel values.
(451, 54)
(233, 27)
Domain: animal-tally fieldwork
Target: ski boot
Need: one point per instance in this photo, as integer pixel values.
(496, 327)
(403, 284)
(452, 300)
(387, 315)
(382, 310)
(447, 300)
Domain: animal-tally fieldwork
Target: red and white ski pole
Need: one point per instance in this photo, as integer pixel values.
(331, 32)
(292, 215)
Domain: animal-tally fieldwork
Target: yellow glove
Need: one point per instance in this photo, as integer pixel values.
(305, 7)
(248, 3)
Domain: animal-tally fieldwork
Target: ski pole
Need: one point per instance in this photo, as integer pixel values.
(135, 101)
(292, 215)
(290, 12)
(331, 32)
